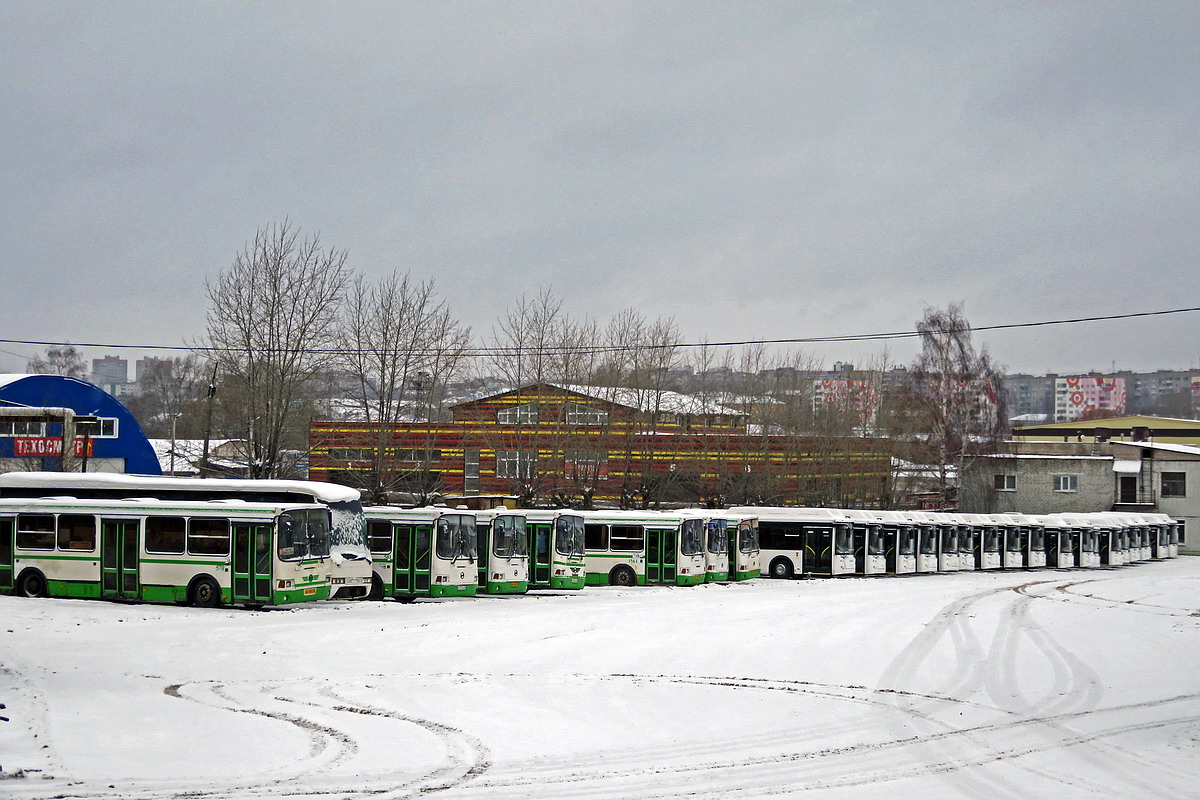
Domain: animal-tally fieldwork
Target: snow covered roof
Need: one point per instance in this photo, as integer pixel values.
(327, 492)
(653, 400)
(1185, 449)
(1041, 456)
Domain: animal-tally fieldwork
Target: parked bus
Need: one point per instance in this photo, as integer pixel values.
(202, 553)
(556, 548)
(870, 552)
(423, 552)
(503, 546)
(812, 541)
(744, 556)
(635, 548)
(899, 542)
(350, 575)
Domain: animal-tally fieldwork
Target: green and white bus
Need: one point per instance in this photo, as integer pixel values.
(422, 552)
(555, 548)
(503, 546)
(635, 548)
(205, 553)
(350, 573)
(744, 561)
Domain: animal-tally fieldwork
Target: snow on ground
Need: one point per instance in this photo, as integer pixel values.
(1000, 685)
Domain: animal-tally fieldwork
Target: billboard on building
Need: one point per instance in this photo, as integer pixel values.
(1077, 396)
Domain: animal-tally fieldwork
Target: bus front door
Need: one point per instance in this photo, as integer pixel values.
(660, 556)
(818, 551)
(540, 554)
(252, 564)
(6, 555)
(119, 559)
(858, 543)
(410, 567)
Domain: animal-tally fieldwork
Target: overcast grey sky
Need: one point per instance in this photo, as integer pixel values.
(757, 170)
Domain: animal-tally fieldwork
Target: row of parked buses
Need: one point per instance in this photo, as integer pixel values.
(826, 541)
(256, 543)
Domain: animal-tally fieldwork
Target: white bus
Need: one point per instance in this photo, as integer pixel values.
(350, 575)
(556, 548)
(870, 551)
(795, 541)
(635, 548)
(899, 542)
(503, 547)
(423, 552)
(205, 552)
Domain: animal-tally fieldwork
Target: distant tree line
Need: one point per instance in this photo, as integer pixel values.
(293, 334)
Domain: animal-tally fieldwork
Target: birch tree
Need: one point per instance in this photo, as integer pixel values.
(960, 390)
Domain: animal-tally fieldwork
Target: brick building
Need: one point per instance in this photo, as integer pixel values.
(599, 445)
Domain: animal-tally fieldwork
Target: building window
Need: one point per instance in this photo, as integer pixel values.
(515, 464)
(104, 428)
(352, 453)
(17, 427)
(1174, 484)
(584, 462)
(1066, 483)
(524, 414)
(1005, 483)
(578, 414)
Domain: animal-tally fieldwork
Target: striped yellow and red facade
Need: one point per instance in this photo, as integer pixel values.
(620, 453)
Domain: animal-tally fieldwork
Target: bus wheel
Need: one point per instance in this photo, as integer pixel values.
(781, 568)
(205, 593)
(622, 576)
(31, 584)
(376, 592)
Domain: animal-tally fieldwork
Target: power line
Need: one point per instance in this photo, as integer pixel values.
(501, 350)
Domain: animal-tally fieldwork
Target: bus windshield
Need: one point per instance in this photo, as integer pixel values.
(509, 537)
(718, 539)
(303, 534)
(568, 540)
(349, 526)
(689, 537)
(456, 537)
(928, 541)
(874, 541)
(841, 540)
(748, 538)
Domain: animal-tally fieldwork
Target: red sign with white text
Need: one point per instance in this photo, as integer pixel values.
(39, 446)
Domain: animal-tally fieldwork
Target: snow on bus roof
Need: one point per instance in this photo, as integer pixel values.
(327, 492)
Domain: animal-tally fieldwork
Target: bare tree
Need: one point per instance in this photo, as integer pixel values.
(272, 324)
(170, 389)
(59, 360)
(960, 390)
(402, 345)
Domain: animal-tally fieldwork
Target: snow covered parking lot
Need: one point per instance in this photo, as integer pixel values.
(1034, 683)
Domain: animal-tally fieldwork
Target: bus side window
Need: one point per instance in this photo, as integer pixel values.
(76, 532)
(596, 536)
